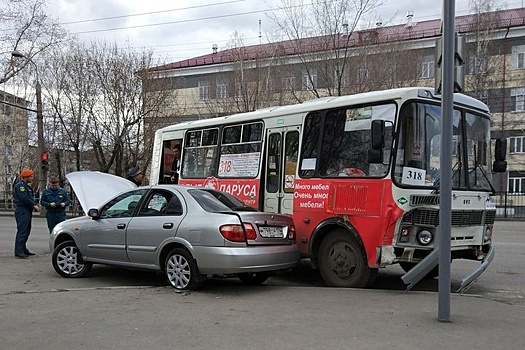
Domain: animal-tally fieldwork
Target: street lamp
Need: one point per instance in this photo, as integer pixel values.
(42, 173)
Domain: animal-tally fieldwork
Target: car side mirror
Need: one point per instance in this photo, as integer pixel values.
(93, 213)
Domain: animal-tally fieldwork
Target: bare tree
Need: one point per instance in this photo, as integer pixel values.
(98, 108)
(25, 27)
(71, 94)
(320, 33)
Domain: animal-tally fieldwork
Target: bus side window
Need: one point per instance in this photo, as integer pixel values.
(310, 142)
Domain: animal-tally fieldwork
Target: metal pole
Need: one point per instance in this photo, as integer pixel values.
(42, 176)
(447, 109)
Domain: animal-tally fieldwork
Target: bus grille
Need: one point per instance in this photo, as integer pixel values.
(424, 200)
(430, 217)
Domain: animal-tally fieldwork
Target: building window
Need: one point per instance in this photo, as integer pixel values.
(516, 184)
(238, 90)
(288, 83)
(477, 65)
(343, 77)
(222, 88)
(518, 57)
(269, 85)
(362, 74)
(517, 144)
(517, 96)
(427, 67)
(8, 169)
(204, 90)
(6, 129)
(6, 109)
(8, 150)
(309, 79)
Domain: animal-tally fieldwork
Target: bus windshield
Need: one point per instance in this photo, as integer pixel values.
(418, 152)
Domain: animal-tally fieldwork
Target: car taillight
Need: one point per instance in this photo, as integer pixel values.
(291, 232)
(250, 231)
(236, 233)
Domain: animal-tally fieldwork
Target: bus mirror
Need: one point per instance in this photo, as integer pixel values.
(378, 134)
(500, 152)
(499, 166)
(375, 156)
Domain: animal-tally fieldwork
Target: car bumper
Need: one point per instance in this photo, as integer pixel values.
(228, 260)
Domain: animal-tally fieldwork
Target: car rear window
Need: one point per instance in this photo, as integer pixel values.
(213, 201)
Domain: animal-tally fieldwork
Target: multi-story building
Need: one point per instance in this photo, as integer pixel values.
(251, 77)
(16, 153)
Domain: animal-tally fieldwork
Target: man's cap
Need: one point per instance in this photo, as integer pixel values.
(134, 171)
(26, 173)
(53, 180)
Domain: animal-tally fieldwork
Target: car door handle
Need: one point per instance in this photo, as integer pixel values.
(121, 226)
(168, 225)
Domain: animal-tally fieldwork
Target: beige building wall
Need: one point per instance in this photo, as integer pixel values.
(16, 153)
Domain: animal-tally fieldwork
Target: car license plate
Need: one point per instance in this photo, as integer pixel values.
(271, 232)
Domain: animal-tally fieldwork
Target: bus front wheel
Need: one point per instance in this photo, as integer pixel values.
(342, 262)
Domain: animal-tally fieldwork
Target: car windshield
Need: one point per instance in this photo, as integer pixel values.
(214, 201)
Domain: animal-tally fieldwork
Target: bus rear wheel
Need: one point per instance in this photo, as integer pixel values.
(342, 262)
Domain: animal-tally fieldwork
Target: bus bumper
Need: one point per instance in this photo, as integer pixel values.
(466, 282)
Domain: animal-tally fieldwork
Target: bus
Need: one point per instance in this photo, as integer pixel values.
(358, 173)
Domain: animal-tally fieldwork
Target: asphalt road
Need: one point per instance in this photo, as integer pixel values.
(114, 308)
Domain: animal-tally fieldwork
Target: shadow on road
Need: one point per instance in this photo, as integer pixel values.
(302, 276)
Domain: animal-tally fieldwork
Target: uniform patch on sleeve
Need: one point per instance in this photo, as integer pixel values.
(22, 189)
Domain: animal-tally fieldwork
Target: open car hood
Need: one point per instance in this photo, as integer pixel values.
(94, 188)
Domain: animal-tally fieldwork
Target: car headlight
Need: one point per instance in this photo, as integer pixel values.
(424, 237)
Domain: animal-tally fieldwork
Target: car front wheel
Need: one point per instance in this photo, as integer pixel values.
(181, 270)
(67, 261)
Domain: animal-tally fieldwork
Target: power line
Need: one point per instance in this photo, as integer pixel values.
(174, 22)
(149, 13)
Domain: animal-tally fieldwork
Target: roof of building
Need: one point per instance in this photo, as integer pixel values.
(402, 32)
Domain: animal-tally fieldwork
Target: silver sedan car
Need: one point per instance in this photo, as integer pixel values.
(187, 233)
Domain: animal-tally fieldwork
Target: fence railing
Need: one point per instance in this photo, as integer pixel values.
(508, 205)
(6, 204)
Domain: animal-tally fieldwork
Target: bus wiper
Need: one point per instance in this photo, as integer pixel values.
(483, 172)
(485, 175)
(455, 169)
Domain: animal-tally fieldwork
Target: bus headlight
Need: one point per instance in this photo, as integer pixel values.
(487, 236)
(424, 237)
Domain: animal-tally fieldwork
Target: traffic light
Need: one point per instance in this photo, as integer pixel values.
(45, 162)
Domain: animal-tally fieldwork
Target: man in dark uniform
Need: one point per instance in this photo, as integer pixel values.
(135, 175)
(55, 200)
(25, 204)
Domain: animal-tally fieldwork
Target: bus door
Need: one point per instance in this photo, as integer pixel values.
(282, 149)
(169, 140)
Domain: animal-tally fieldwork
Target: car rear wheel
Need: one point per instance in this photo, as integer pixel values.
(181, 270)
(68, 262)
(342, 262)
(253, 279)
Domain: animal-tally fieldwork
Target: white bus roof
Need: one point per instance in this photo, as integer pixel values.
(332, 102)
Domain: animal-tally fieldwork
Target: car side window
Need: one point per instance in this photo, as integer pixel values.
(123, 205)
(156, 204)
(174, 207)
